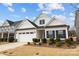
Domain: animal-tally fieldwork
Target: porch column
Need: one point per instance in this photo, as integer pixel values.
(2, 35)
(66, 34)
(45, 34)
(8, 37)
(36, 33)
(55, 34)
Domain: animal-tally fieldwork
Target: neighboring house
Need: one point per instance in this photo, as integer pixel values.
(77, 23)
(7, 30)
(42, 27)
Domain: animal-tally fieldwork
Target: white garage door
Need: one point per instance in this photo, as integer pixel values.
(27, 37)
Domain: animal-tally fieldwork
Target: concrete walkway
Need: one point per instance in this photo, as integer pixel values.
(9, 46)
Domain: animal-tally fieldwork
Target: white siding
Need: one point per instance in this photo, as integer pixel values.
(56, 22)
(25, 24)
(5, 23)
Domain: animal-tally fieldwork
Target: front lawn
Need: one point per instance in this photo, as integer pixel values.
(28, 50)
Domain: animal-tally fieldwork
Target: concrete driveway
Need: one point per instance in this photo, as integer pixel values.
(10, 46)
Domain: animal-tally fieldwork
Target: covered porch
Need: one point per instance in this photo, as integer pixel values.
(6, 36)
(51, 33)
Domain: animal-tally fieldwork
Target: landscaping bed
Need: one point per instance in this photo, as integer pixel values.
(41, 51)
(46, 47)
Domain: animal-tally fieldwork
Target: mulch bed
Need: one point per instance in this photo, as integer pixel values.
(64, 46)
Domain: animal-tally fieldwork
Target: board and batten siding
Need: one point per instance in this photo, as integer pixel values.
(42, 17)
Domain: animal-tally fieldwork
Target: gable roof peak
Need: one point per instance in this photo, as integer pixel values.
(42, 15)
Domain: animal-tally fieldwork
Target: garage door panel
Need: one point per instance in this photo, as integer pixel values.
(26, 37)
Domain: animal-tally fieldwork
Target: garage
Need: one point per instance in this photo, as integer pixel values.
(26, 36)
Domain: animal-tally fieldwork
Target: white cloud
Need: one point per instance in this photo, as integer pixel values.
(46, 12)
(10, 9)
(27, 17)
(9, 6)
(1, 22)
(62, 17)
(72, 14)
(55, 6)
(33, 18)
(23, 10)
(47, 8)
(41, 6)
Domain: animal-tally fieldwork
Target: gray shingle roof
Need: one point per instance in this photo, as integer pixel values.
(16, 23)
(10, 22)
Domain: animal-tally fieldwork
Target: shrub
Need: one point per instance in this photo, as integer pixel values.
(44, 40)
(58, 44)
(40, 44)
(1, 39)
(28, 43)
(68, 42)
(34, 43)
(11, 39)
(36, 40)
(71, 39)
(5, 39)
(51, 41)
(57, 40)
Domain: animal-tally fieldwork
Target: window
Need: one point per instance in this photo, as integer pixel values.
(50, 34)
(31, 32)
(23, 32)
(27, 32)
(42, 21)
(19, 33)
(61, 33)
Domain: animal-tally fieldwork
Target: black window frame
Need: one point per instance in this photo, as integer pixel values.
(42, 22)
(52, 35)
(61, 35)
(31, 32)
(27, 32)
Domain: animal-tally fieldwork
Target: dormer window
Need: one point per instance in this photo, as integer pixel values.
(42, 22)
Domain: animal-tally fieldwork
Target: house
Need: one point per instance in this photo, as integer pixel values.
(7, 29)
(77, 23)
(43, 26)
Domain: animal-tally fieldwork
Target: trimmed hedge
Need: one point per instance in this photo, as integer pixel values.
(36, 40)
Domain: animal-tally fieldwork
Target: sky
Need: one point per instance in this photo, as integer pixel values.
(19, 11)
